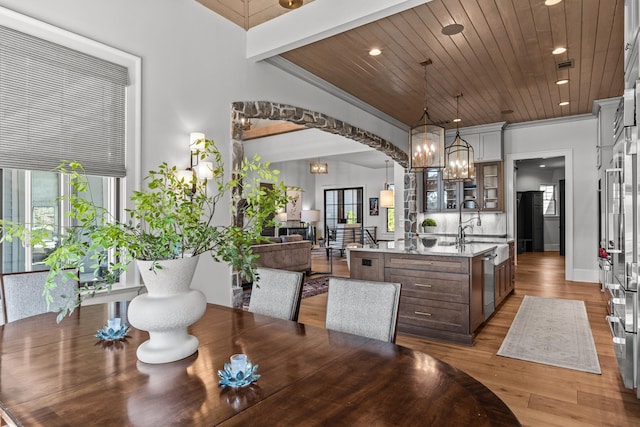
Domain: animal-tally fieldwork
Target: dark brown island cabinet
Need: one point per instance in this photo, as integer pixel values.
(442, 297)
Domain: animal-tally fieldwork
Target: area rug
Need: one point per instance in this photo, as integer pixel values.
(552, 332)
(311, 287)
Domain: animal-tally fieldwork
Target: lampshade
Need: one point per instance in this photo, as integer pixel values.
(184, 175)
(426, 142)
(386, 199)
(196, 141)
(311, 215)
(282, 217)
(205, 170)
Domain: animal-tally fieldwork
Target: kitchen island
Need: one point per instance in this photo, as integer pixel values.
(443, 286)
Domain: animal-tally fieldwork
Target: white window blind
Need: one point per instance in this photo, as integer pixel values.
(59, 104)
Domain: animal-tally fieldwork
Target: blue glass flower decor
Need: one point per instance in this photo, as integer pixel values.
(115, 330)
(241, 379)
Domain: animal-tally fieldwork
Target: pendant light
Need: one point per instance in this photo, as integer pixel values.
(318, 168)
(426, 139)
(459, 155)
(386, 195)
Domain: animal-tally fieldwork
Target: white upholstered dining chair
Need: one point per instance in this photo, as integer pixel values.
(276, 293)
(365, 308)
(22, 294)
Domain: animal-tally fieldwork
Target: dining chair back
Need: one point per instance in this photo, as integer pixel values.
(362, 307)
(22, 294)
(276, 293)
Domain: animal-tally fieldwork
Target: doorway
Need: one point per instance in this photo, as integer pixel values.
(518, 180)
(539, 185)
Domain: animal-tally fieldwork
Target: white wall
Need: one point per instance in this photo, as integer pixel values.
(341, 175)
(193, 68)
(577, 138)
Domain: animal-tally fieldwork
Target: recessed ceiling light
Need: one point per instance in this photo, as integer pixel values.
(543, 166)
(551, 2)
(375, 51)
(562, 81)
(452, 29)
(563, 103)
(457, 120)
(559, 50)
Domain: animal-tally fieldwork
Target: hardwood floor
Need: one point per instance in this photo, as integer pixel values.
(539, 395)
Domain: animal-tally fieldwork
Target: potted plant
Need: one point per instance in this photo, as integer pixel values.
(429, 225)
(172, 219)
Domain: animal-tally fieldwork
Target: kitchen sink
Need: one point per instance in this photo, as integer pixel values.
(502, 254)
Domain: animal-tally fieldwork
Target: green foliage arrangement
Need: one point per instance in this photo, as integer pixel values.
(171, 218)
(428, 222)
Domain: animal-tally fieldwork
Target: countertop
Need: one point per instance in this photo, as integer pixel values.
(469, 250)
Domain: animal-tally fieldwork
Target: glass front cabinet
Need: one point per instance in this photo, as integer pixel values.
(445, 196)
(432, 190)
(491, 188)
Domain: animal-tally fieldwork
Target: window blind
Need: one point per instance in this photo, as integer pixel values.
(60, 104)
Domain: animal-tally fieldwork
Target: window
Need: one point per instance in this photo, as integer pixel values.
(342, 206)
(31, 197)
(73, 99)
(548, 199)
(391, 214)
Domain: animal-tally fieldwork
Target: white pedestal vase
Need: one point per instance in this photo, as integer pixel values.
(167, 310)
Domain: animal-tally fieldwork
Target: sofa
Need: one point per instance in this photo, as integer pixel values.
(285, 253)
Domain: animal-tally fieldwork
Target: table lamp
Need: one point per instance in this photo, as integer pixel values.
(310, 216)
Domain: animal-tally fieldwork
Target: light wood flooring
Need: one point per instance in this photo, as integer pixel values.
(539, 395)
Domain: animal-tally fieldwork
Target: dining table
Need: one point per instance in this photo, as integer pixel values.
(61, 374)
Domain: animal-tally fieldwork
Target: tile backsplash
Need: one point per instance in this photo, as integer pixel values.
(492, 223)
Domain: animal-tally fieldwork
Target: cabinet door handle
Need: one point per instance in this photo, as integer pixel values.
(423, 285)
(422, 313)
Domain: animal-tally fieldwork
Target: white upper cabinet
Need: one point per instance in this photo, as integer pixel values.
(486, 141)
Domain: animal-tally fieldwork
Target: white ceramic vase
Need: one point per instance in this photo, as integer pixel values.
(167, 310)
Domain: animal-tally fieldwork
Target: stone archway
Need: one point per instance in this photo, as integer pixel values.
(312, 119)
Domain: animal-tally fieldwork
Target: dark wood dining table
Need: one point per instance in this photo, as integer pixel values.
(62, 375)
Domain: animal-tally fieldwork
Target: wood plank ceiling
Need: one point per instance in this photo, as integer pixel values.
(501, 62)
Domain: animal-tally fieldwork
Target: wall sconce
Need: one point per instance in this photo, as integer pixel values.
(201, 171)
(318, 168)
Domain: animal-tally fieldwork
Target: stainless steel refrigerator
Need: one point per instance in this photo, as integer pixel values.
(621, 239)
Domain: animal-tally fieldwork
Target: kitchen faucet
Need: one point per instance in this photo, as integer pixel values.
(460, 240)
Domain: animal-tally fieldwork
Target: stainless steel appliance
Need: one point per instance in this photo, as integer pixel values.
(489, 284)
(621, 241)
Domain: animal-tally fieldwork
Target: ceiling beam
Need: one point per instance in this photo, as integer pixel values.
(271, 130)
(316, 21)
